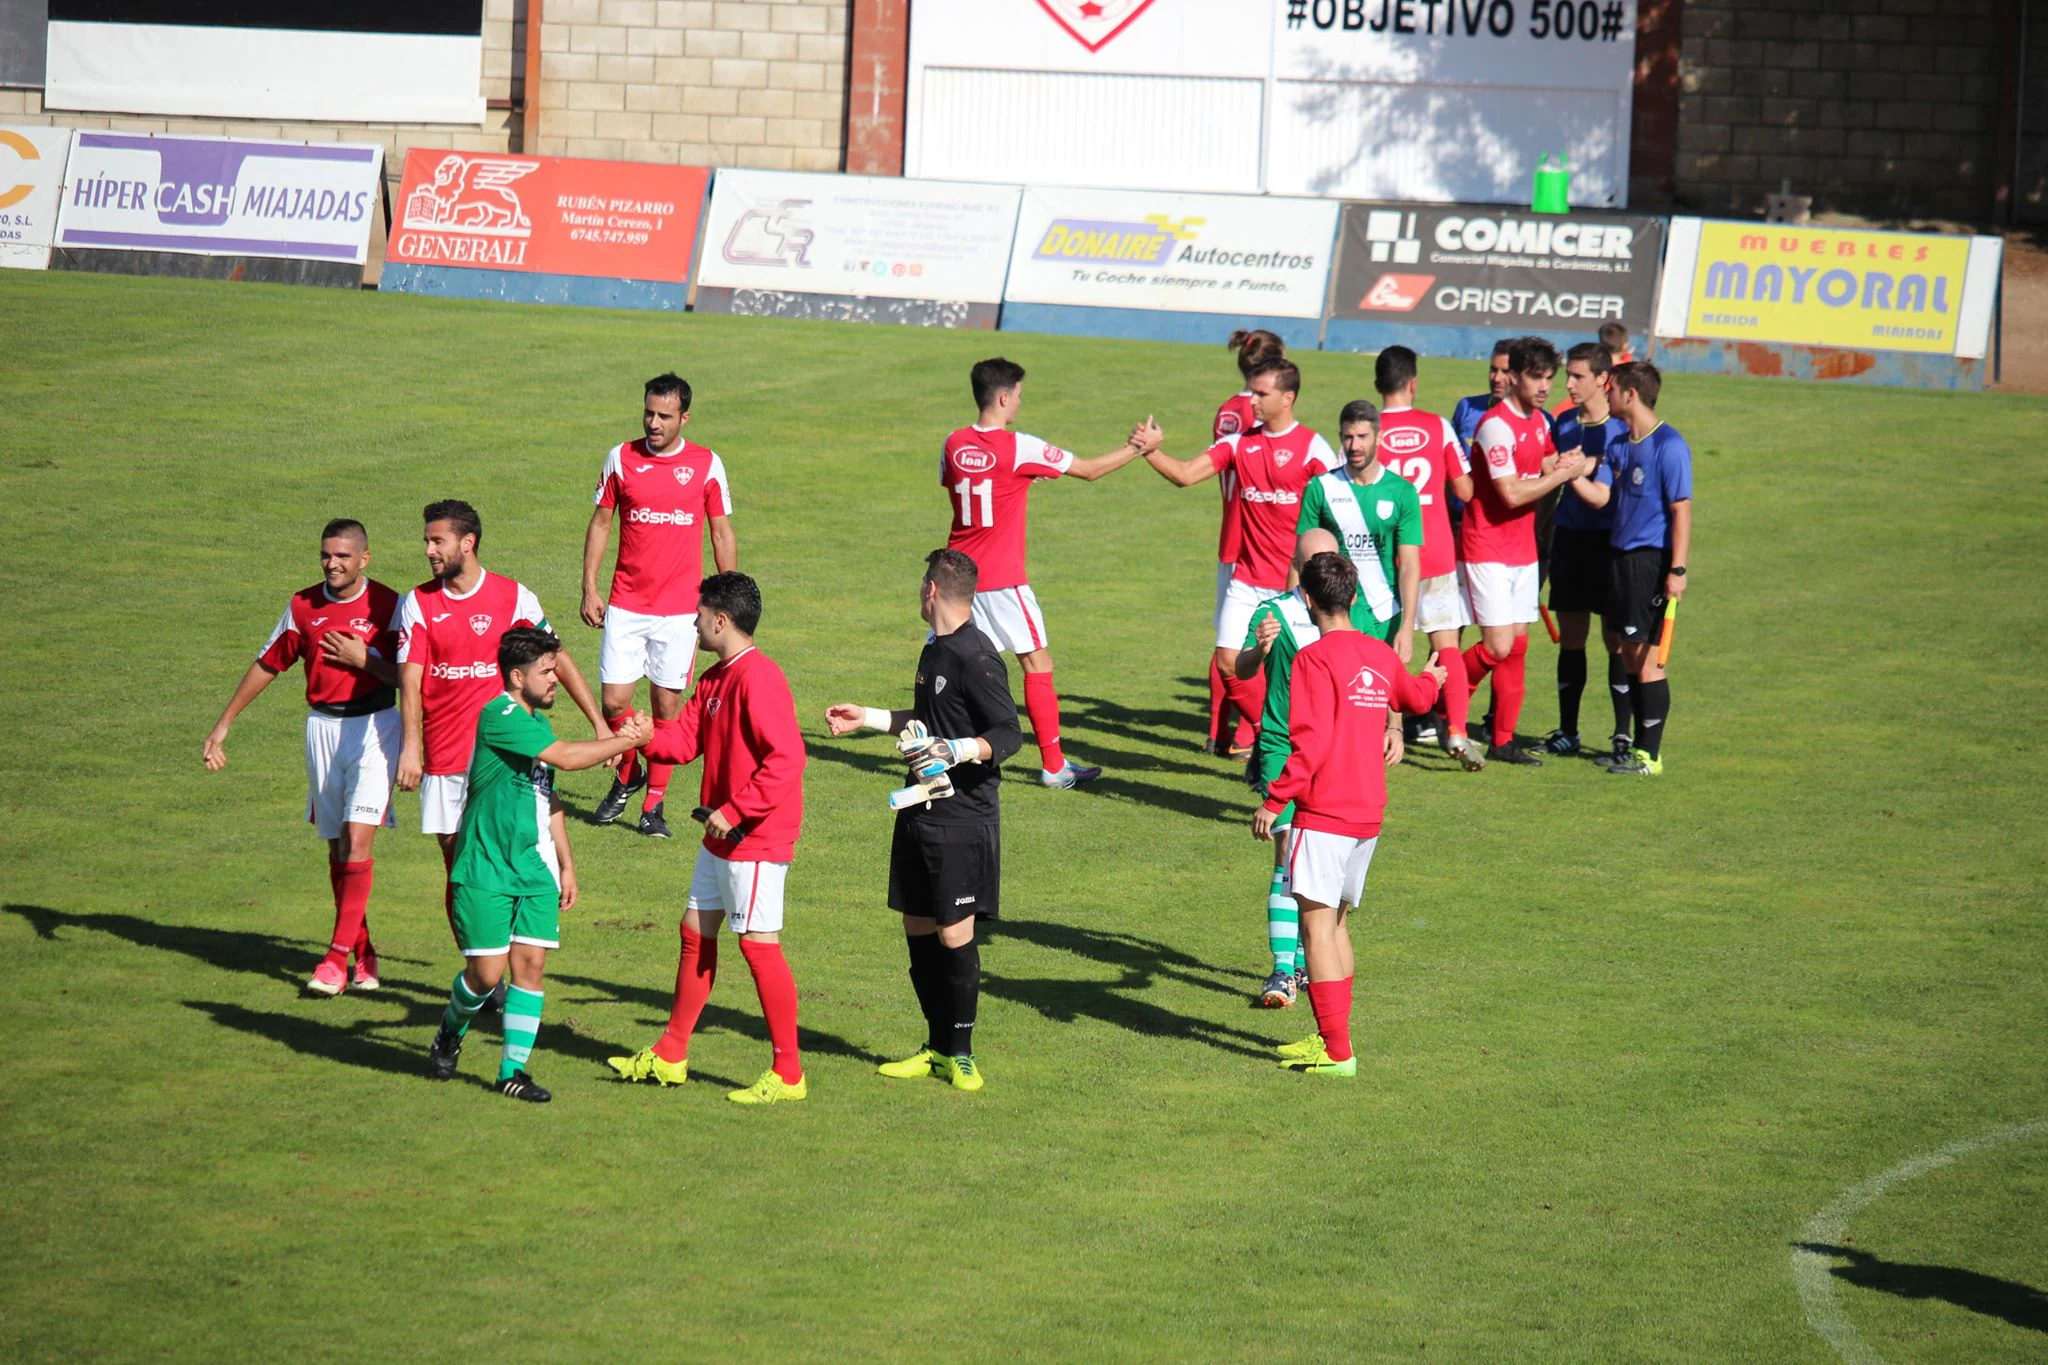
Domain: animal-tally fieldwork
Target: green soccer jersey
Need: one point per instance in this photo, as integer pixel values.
(1298, 631)
(504, 844)
(1369, 521)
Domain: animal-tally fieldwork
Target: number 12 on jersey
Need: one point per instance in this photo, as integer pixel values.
(968, 493)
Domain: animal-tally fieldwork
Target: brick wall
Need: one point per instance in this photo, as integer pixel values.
(1888, 110)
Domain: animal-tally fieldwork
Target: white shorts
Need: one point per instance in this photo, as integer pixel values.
(1326, 868)
(1442, 603)
(1010, 617)
(1501, 594)
(1223, 572)
(1234, 608)
(441, 798)
(750, 894)
(349, 762)
(657, 648)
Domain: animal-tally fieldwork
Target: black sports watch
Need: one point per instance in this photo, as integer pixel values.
(1678, 572)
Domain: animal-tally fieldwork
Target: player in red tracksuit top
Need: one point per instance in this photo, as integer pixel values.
(1342, 688)
(742, 719)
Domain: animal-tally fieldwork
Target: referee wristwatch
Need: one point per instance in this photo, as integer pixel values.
(1678, 572)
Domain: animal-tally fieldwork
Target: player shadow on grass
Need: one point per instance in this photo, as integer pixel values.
(1143, 963)
(715, 1016)
(2022, 1305)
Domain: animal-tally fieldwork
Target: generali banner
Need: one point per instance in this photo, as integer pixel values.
(1463, 265)
(548, 215)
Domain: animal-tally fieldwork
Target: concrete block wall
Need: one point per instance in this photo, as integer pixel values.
(1886, 108)
(696, 82)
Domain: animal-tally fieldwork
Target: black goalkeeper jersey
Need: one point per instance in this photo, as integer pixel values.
(963, 692)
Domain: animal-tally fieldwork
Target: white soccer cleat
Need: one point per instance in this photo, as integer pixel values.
(1070, 775)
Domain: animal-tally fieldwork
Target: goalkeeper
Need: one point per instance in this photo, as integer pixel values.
(945, 862)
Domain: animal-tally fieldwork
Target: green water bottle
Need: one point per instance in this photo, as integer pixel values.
(1552, 189)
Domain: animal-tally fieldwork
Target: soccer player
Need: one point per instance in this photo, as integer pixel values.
(513, 871)
(1424, 449)
(666, 492)
(1650, 485)
(1614, 341)
(987, 471)
(1345, 686)
(1515, 463)
(1254, 348)
(1269, 465)
(945, 861)
(1581, 550)
(449, 628)
(1465, 417)
(742, 719)
(1376, 516)
(352, 734)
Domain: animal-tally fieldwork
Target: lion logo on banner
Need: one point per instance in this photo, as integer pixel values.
(472, 194)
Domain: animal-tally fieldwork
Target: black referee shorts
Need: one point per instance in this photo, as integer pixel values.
(1635, 594)
(1579, 569)
(946, 872)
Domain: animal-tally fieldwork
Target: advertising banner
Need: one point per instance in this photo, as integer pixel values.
(1860, 290)
(31, 178)
(218, 196)
(1197, 253)
(1469, 266)
(547, 215)
(877, 237)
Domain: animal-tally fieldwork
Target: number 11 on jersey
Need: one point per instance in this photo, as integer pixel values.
(968, 493)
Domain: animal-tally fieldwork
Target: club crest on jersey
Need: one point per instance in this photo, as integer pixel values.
(939, 685)
(1384, 509)
(711, 707)
(1281, 455)
(361, 623)
(684, 474)
(974, 460)
(1635, 476)
(479, 623)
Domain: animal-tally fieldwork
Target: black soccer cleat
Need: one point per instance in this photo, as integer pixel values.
(1513, 754)
(1624, 755)
(1561, 742)
(444, 1054)
(614, 803)
(651, 823)
(521, 1086)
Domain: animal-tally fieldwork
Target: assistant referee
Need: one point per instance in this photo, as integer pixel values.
(945, 862)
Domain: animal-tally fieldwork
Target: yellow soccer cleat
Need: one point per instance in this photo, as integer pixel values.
(645, 1066)
(921, 1063)
(961, 1071)
(1301, 1047)
(1310, 1051)
(771, 1089)
(1326, 1067)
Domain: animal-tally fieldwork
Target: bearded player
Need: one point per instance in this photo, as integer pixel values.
(352, 733)
(665, 492)
(988, 471)
(1254, 348)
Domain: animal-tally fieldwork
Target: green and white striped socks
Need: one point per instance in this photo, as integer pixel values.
(463, 1003)
(522, 1023)
(1283, 923)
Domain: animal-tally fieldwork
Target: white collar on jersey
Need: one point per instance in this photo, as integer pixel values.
(1270, 431)
(482, 575)
(362, 586)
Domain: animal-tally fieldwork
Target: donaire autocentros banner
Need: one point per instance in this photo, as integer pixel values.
(860, 235)
(1196, 253)
(1471, 266)
(550, 215)
(220, 196)
(31, 176)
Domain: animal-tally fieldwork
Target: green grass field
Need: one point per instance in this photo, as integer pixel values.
(1621, 1039)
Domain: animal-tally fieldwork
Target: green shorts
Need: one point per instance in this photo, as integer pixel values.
(1386, 631)
(1270, 762)
(488, 923)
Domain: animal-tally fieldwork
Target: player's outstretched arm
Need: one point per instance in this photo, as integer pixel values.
(595, 537)
(1590, 490)
(1180, 473)
(843, 718)
(1145, 436)
(574, 755)
(214, 752)
(725, 544)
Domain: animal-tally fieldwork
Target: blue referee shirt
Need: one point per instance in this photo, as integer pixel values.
(1465, 417)
(1572, 512)
(1648, 476)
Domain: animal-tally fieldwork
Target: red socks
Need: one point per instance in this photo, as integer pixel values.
(694, 975)
(657, 784)
(351, 908)
(1249, 696)
(1457, 689)
(1331, 1001)
(629, 766)
(777, 989)
(1478, 663)
(1217, 696)
(1042, 703)
(1509, 678)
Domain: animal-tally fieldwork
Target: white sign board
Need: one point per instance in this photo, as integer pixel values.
(218, 196)
(870, 236)
(31, 178)
(1191, 253)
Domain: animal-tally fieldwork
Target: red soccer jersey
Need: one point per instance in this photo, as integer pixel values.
(312, 613)
(988, 475)
(1510, 444)
(1341, 689)
(742, 719)
(663, 502)
(455, 639)
(1423, 448)
(1270, 472)
(1233, 417)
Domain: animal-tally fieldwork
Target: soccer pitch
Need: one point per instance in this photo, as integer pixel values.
(1621, 1040)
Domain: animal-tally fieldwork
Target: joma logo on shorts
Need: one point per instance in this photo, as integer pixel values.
(963, 900)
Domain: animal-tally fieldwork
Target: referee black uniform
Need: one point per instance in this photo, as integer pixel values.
(945, 862)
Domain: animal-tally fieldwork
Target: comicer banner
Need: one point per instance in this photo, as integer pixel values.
(219, 196)
(1483, 266)
(31, 179)
(548, 215)
(1195, 253)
